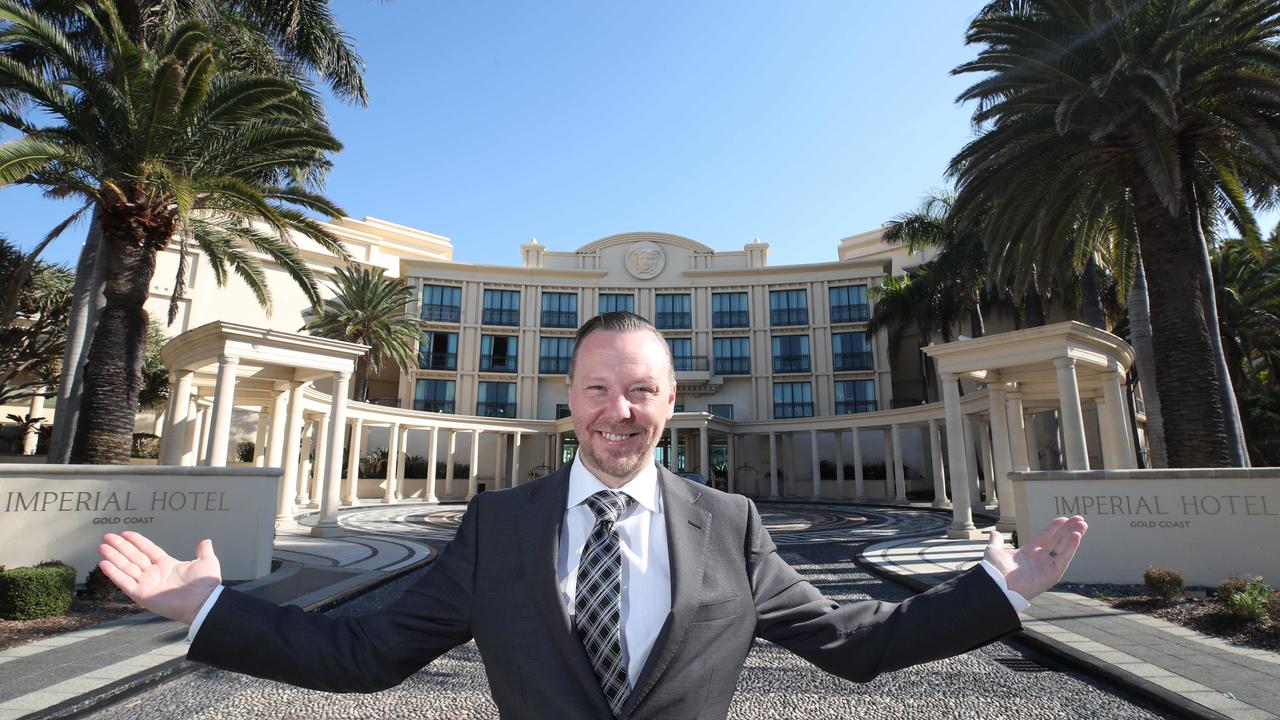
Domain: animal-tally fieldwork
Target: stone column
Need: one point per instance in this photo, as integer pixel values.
(260, 438)
(190, 455)
(402, 458)
(202, 428)
(354, 450)
(673, 462)
(1001, 455)
(328, 526)
(839, 464)
(1019, 455)
(971, 466)
(473, 482)
(1072, 418)
(499, 460)
(984, 455)
(789, 456)
(558, 453)
(306, 466)
(730, 450)
(940, 499)
(289, 451)
(1116, 425)
(546, 451)
(515, 459)
(224, 398)
(175, 447)
(393, 459)
(448, 462)
(320, 468)
(704, 453)
(859, 482)
(433, 445)
(274, 450)
(35, 409)
(816, 465)
(961, 512)
(773, 465)
(899, 472)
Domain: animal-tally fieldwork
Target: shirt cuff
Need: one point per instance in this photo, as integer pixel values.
(200, 616)
(1014, 597)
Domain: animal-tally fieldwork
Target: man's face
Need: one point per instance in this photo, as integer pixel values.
(621, 395)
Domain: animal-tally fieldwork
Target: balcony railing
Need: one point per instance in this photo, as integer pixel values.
(793, 410)
(496, 316)
(845, 362)
(492, 409)
(441, 313)
(437, 361)
(850, 313)
(559, 319)
(498, 363)
(789, 316)
(673, 320)
(730, 319)
(553, 365)
(849, 407)
(733, 366)
(433, 406)
(695, 363)
(790, 363)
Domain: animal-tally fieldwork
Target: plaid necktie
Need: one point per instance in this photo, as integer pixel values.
(598, 600)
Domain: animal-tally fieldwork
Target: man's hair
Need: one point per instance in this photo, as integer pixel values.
(619, 322)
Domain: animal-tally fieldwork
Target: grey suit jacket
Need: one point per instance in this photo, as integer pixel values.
(496, 583)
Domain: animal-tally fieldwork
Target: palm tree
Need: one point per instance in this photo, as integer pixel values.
(160, 142)
(297, 41)
(369, 309)
(1166, 102)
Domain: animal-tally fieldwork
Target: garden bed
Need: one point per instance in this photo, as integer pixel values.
(82, 614)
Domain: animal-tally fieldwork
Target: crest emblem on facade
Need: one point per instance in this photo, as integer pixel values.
(645, 260)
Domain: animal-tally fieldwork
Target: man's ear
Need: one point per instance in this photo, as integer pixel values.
(671, 401)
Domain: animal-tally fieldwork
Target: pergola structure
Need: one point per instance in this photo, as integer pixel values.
(1064, 368)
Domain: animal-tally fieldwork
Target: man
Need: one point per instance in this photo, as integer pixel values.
(610, 588)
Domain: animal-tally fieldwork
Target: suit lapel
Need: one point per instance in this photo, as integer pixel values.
(539, 531)
(688, 527)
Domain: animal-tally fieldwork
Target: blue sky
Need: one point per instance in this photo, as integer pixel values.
(492, 122)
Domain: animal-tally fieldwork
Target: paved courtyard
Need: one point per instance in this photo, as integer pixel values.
(998, 681)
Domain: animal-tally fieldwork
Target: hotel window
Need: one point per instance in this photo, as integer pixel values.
(790, 353)
(682, 355)
(849, 304)
(496, 399)
(562, 411)
(850, 351)
(729, 310)
(733, 355)
(788, 307)
(501, 307)
(559, 310)
(617, 302)
(433, 396)
(498, 353)
(792, 400)
(724, 411)
(554, 354)
(438, 351)
(855, 396)
(441, 303)
(672, 311)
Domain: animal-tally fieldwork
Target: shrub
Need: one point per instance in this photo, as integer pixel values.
(246, 451)
(415, 467)
(27, 593)
(1252, 604)
(145, 445)
(1231, 586)
(1162, 583)
(100, 589)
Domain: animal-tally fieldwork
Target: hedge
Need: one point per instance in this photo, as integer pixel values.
(27, 593)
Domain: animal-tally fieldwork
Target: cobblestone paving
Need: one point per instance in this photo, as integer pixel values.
(998, 681)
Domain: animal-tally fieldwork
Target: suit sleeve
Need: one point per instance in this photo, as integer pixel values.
(862, 639)
(356, 654)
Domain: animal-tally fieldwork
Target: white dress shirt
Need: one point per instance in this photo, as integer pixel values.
(646, 565)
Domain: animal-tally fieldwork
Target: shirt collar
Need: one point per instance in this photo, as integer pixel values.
(642, 488)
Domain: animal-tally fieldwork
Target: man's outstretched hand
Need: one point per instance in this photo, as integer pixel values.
(156, 581)
(1039, 564)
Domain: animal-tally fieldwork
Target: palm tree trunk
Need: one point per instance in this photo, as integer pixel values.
(113, 373)
(1091, 295)
(86, 303)
(977, 328)
(1144, 359)
(1186, 369)
(360, 379)
(1232, 422)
